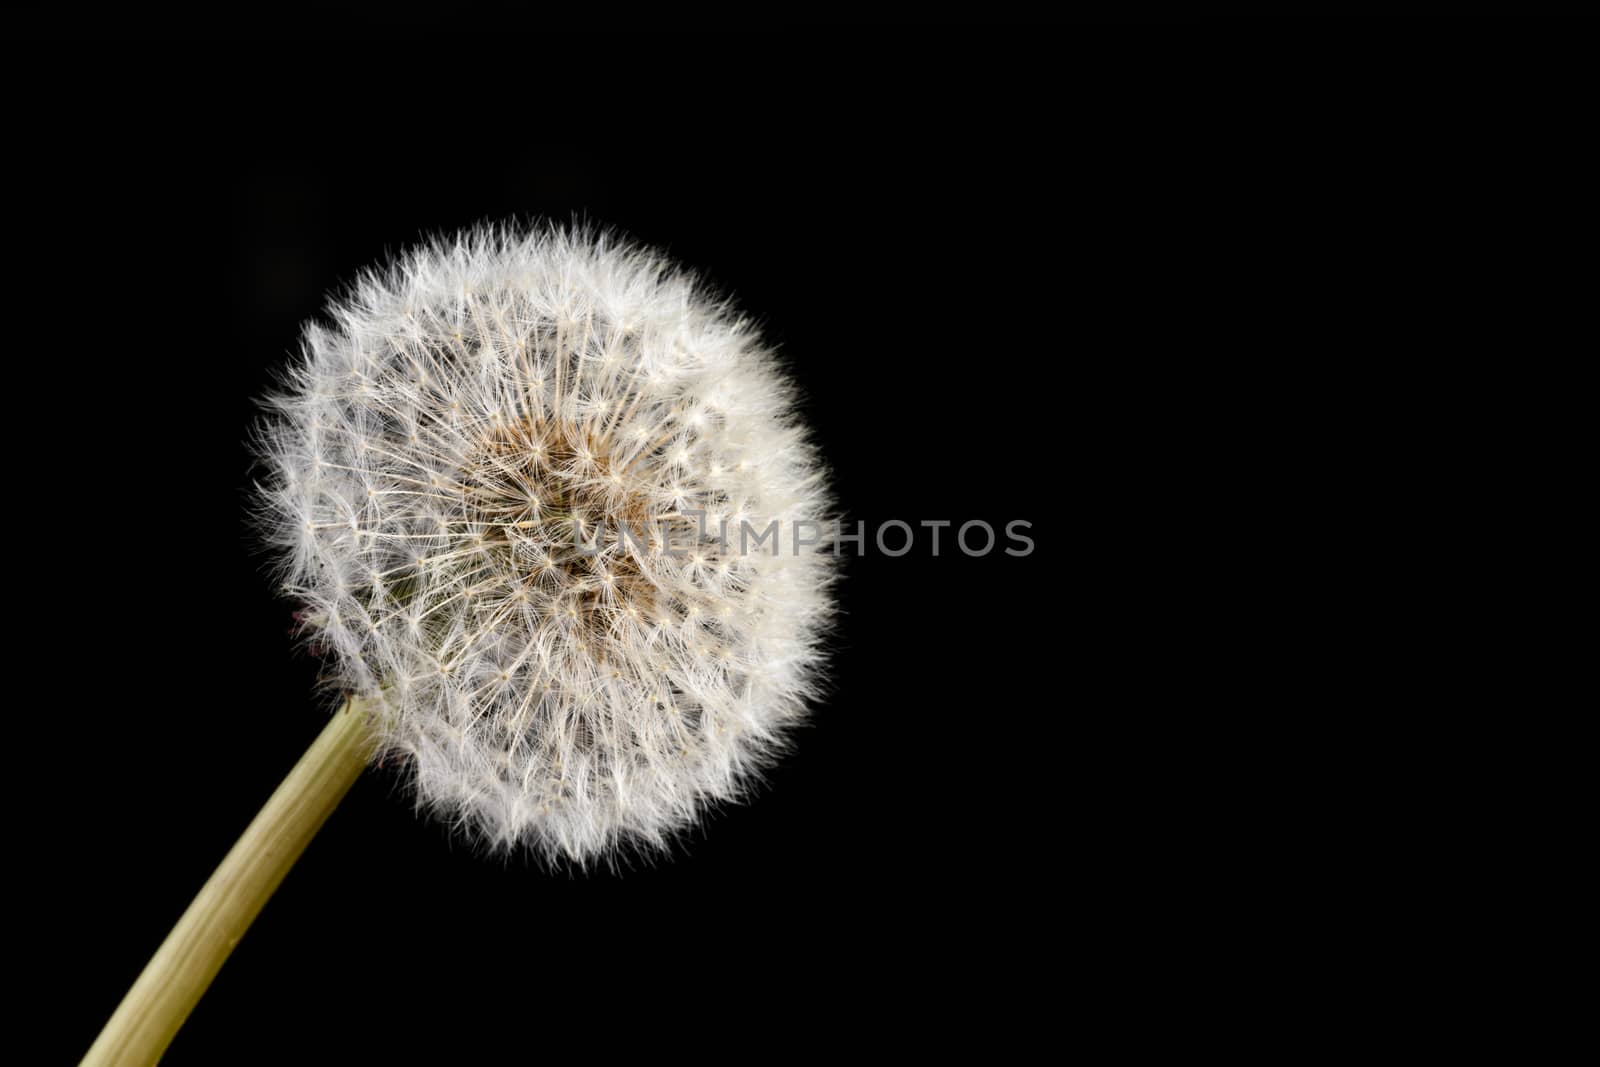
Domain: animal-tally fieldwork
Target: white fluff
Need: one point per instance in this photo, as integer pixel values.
(429, 455)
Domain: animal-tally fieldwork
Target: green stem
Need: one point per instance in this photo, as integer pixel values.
(178, 974)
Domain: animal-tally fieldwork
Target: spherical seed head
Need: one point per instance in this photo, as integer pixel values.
(500, 482)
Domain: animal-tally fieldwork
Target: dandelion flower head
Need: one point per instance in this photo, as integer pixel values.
(520, 481)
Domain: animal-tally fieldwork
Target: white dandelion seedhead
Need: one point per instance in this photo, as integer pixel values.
(499, 480)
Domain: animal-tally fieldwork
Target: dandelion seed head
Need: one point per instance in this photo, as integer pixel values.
(486, 478)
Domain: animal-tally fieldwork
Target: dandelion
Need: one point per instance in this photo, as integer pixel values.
(500, 478)
(468, 472)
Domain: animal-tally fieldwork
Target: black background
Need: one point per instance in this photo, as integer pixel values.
(1076, 280)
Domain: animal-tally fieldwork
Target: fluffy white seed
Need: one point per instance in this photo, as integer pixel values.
(477, 471)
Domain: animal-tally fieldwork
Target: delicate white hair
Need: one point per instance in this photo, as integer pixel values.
(499, 479)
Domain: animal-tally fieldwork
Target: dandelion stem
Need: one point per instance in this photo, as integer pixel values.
(178, 974)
